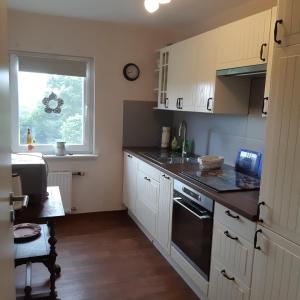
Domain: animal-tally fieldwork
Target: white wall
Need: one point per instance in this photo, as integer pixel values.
(112, 46)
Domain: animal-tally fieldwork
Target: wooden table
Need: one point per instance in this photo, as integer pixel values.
(42, 249)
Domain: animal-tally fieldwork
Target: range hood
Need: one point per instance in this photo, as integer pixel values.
(249, 71)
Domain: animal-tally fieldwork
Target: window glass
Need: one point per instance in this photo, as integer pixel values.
(37, 108)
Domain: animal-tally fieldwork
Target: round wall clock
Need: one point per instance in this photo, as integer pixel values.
(131, 72)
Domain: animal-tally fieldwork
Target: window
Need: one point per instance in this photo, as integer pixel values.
(53, 96)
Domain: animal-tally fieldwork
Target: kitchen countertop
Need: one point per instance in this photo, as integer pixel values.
(242, 202)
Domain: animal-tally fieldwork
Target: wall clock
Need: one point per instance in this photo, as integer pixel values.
(131, 72)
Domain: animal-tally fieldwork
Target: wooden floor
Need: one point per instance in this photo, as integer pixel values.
(104, 256)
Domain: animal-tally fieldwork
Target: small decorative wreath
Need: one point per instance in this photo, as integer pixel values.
(53, 97)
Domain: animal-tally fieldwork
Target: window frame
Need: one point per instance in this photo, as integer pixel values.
(88, 146)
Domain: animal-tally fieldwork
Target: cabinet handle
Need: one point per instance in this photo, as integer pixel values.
(235, 238)
(276, 31)
(255, 239)
(229, 214)
(223, 272)
(258, 211)
(130, 156)
(262, 51)
(208, 103)
(166, 102)
(180, 103)
(177, 106)
(266, 99)
(166, 177)
(146, 178)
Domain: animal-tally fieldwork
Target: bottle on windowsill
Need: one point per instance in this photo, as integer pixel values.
(29, 140)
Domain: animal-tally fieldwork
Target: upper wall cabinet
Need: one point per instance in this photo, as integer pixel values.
(181, 76)
(245, 42)
(287, 25)
(163, 78)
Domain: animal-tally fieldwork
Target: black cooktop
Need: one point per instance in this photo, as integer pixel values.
(225, 179)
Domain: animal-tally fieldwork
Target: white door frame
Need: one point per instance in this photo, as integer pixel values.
(7, 282)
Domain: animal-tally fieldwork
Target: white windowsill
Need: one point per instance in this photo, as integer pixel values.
(70, 157)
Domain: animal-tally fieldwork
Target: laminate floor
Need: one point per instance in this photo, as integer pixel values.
(104, 256)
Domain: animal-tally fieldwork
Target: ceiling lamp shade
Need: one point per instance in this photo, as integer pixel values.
(152, 5)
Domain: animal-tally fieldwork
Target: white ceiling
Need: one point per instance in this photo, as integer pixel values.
(179, 14)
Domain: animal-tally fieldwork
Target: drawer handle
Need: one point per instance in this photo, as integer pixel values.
(128, 155)
(166, 177)
(223, 272)
(146, 178)
(255, 239)
(229, 214)
(235, 238)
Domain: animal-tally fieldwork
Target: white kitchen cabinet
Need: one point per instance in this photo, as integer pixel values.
(280, 189)
(234, 252)
(224, 286)
(205, 70)
(163, 100)
(130, 181)
(276, 268)
(270, 65)
(147, 202)
(181, 78)
(288, 23)
(245, 42)
(165, 212)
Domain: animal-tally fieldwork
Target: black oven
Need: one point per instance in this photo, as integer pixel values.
(192, 226)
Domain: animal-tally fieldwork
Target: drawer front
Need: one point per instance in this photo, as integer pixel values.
(234, 252)
(149, 171)
(235, 222)
(224, 286)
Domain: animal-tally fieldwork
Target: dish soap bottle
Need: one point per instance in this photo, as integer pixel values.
(174, 144)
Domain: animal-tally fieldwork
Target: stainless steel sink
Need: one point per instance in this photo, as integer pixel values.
(163, 157)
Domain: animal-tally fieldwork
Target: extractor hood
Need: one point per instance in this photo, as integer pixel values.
(249, 71)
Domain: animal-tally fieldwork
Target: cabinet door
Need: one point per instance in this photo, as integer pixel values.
(276, 268)
(147, 202)
(224, 286)
(164, 212)
(205, 70)
(181, 75)
(289, 30)
(163, 78)
(240, 42)
(280, 189)
(129, 181)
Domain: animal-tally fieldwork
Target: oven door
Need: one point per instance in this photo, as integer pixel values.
(192, 227)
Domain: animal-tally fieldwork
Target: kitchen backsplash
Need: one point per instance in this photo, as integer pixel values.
(142, 125)
(225, 134)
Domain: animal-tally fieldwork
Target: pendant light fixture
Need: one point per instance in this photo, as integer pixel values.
(153, 5)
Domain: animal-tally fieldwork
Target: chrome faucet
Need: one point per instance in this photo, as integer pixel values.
(182, 133)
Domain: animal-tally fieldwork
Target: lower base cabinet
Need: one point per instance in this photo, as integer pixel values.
(276, 269)
(147, 202)
(224, 286)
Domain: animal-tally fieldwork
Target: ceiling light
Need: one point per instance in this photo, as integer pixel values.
(164, 1)
(152, 5)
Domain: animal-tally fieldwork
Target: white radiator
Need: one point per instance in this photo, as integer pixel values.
(64, 181)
